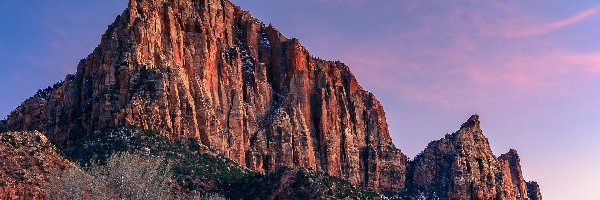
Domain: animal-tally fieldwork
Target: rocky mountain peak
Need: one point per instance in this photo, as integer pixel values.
(472, 123)
(462, 166)
(511, 156)
(510, 164)
(207, 71)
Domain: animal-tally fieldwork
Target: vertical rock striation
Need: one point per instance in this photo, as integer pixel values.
(510, 166)
(462, 166)
(207, 70)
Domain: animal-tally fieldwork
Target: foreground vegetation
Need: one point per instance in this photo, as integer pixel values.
(132, 164)
(123, 176)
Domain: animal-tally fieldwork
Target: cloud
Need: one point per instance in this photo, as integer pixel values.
(535, 30)
(589, 62)
(540, 72)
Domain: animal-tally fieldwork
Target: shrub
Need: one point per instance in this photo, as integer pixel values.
(190, 166)
(76, 184)
(124, 176)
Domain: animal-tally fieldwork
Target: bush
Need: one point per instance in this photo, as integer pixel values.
(190, 167)
(201, 175)
(76, 184)
(124, 176)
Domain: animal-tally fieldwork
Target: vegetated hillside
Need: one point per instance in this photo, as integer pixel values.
(203, 172)
(27, 163)
(31, 163)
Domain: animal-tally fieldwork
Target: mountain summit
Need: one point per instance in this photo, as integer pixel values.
(207, 71)
(462, 166)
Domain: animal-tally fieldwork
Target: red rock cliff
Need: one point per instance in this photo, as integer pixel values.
(209, 71)
(462, 166)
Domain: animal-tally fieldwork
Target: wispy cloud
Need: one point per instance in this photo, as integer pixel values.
(540, 72)
(589, 62)
(535, 30)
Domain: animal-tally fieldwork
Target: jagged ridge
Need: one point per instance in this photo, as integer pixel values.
(462, 166)
(205, 70)
(209, 71)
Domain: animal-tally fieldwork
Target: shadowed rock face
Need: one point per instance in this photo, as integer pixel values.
(209, 71)
(533, 189)
(462, 166)
(3, 126)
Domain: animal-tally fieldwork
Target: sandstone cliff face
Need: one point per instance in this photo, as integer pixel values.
(209, 71)
(462, 166)
(515, 185)
(28, 161)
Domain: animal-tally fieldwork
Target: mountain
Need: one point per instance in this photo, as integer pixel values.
(207, 71)
(462, 166)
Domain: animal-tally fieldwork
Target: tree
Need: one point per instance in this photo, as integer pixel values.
(124, 176)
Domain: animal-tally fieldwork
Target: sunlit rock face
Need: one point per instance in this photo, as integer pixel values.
(462, 166)
(207, 70)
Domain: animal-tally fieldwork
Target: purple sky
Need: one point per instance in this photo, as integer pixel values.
(530, 69)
